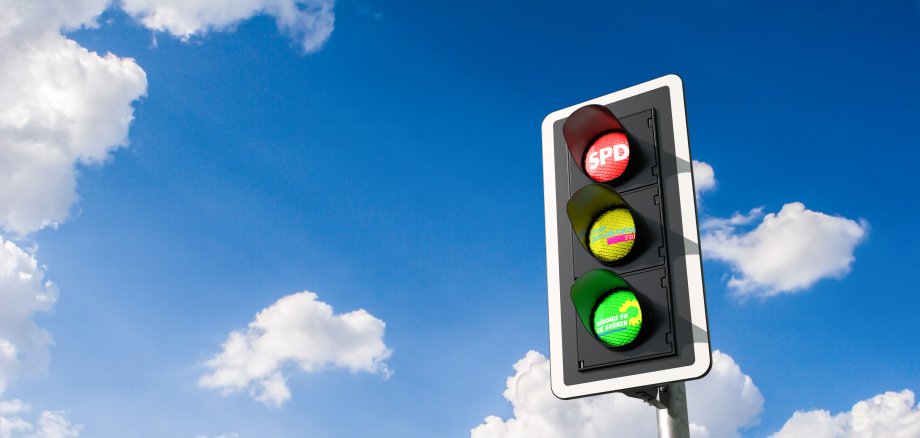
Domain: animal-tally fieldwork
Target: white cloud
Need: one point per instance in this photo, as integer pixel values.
(9, 427)
(23, 292)
(704, 177)
(888, 415)
(50, 424)
(726, 393)
(60, 106)
(24, 19)
(787, 252)
(737, 219)
(8, 363)
(63, 107)
(721, 404)
(309, 22)
(226, 435)
(296, 330)
(53, 424)
(13, 407)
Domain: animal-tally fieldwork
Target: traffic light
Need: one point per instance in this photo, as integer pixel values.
(625, 282)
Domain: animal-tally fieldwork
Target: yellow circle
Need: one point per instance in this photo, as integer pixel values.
(612, 235)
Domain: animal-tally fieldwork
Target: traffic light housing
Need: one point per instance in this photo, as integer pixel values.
(625, 285)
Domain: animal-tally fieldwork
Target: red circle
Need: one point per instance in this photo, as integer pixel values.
(607, 157)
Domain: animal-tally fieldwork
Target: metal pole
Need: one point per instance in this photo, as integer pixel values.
(672, 412)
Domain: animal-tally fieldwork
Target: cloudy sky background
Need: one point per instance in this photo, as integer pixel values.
(306, 218)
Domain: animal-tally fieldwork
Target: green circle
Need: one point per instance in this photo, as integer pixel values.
(618, 319)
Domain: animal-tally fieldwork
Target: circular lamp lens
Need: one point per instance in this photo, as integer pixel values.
(618, 319)
(612, 235)
(607, 157)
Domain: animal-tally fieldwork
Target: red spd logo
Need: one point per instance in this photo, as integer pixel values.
(608, 156)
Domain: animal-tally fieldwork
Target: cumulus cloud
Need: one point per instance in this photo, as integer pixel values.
(12, 407)
(722, 403)
(23, 19)
(308, 22)
(704, 177)
(10, 427)
(50, 424)
(24, 291)
(301, 331)
(61, 106)
(787, 252)
(888, 415)
(54, 424)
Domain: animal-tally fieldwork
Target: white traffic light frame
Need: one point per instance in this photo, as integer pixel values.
(690, 256)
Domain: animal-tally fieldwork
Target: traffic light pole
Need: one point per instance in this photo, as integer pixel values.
(670, 403)
(672, 412)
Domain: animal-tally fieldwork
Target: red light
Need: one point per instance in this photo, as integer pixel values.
(607, 157)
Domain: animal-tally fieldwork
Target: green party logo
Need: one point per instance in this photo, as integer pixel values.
(618, 319)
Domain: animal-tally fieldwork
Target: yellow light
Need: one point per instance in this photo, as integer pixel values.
(612, 235)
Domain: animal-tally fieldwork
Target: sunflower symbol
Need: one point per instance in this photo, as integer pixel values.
(631, 307)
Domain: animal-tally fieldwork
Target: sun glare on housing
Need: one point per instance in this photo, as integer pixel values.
(612, 235)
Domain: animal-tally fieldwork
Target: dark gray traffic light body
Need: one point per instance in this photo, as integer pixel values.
(664, 268)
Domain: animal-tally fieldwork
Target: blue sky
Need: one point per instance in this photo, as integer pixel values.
(391, 163)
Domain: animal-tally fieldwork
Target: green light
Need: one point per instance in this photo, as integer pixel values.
(618, 319)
